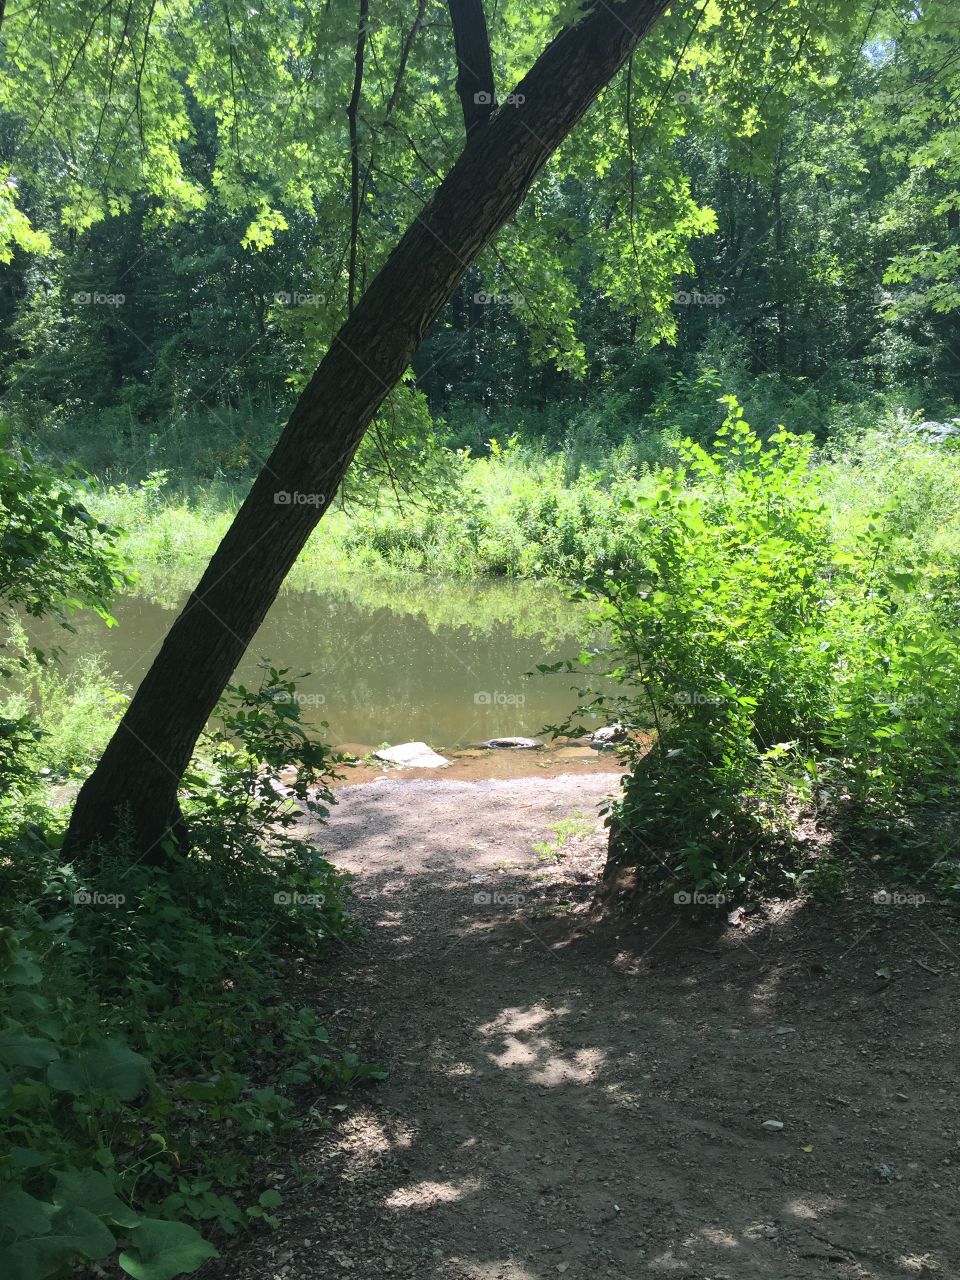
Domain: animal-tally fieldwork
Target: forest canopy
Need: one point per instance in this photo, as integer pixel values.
(193, 195)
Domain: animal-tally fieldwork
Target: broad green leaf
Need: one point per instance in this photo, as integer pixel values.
(163, 1250)
(90, 1190)
(106, 1066)
(17, 1049)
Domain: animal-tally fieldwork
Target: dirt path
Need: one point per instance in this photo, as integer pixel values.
(574, 1099)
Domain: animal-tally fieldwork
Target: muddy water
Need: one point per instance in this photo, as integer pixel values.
(438, 661)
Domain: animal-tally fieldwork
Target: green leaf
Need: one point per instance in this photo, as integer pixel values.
(20, 1050)
(23, 972)
(27, 1158)
(22, 1215)
(90, 1190)
(105, 1066)
(66, 1235)
(164, 1250)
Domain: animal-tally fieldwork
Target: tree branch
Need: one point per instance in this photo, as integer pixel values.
(474, 65)
(355, 155)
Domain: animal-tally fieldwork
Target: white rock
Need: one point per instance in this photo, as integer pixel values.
(412, 755)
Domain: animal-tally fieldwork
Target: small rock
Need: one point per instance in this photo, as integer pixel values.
(608, 736)
(774, 1126)
(412, 755)
(883, 1172)
(514, 744)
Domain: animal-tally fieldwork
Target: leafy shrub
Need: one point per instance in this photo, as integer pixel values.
(148, 1037)
(54, 556)
(773, 661)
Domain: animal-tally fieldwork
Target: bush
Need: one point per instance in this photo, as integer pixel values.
(774, 662)
(149, 1035)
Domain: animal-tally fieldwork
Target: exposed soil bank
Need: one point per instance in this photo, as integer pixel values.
(574, 1098)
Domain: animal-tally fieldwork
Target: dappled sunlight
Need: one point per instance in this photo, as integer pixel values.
(496, 1269)
(578, 1116)
(810, 1211)
(366, 1138)
(545, 1066)
(428, 1194)
(521, 1019)
(522, 1047)
(918, 1264)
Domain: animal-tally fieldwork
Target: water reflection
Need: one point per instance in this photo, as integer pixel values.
(442, 662)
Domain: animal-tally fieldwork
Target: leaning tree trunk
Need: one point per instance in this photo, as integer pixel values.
(134, 786)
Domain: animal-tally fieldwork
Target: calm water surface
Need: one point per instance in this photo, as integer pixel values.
(444, 662)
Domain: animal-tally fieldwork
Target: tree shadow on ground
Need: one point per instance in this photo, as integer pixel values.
(572, 1097)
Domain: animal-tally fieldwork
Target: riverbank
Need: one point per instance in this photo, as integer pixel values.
(520, 514)
(512, 515)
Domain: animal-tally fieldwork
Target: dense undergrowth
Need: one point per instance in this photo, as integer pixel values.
(789, 631)
(515, 510)
(153, 1046)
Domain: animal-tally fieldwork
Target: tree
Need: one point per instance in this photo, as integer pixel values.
(135, 784)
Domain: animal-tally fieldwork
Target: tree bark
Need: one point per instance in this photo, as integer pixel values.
(471, 43)
(133, 789)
